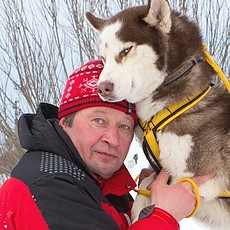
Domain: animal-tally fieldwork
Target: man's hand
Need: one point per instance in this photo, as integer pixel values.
(177, 199)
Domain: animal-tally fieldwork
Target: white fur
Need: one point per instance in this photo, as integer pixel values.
(137, 71)
(211, 211)
(175, 151)
(147, 108)
(126, 84)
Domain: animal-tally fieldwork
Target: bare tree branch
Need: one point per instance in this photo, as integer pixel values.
(43, 41)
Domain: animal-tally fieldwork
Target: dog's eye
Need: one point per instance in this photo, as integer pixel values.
(125, 51)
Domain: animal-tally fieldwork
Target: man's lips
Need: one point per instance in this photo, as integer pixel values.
(106, 154)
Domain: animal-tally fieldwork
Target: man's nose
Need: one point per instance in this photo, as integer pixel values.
(111, 136)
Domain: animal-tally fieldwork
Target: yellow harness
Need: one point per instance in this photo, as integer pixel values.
(150, 144)
(218, 70)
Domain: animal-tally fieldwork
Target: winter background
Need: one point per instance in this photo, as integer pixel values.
(135, 165)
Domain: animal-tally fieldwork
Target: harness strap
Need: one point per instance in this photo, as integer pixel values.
(185, 179)
(150, 144)
(225, 194)
(196, 192)
(218, 70)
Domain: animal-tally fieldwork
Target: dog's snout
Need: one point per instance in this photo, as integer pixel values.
(105, 88)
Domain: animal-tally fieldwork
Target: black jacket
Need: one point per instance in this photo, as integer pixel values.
(65, 192)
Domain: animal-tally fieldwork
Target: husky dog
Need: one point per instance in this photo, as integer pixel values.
(144, 50)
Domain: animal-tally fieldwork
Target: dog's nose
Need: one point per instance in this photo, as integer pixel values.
(105, 88)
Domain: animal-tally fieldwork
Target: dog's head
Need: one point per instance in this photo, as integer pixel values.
(133, 47)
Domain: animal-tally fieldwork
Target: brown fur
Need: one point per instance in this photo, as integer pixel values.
(208, 121)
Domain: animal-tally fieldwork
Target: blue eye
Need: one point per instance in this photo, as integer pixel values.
(125, 127)
(125, 51)
(98, 120)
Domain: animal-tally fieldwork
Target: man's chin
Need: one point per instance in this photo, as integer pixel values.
(106, 172)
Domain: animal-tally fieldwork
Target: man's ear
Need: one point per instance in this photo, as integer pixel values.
(62, 122)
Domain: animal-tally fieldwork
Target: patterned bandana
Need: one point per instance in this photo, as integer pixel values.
(81, 92)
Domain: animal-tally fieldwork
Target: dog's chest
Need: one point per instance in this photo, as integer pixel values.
(174, 149)
(174, 153)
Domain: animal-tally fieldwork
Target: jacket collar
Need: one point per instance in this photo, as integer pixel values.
(120, 183)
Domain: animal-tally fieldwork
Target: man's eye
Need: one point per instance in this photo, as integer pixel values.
(125, 127)
(98, 120)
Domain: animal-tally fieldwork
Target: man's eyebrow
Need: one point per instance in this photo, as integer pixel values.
(126, 116)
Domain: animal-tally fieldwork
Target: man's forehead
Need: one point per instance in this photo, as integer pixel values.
(107, 111)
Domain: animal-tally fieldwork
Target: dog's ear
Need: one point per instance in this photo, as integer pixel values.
(159, 15)
(97, 23)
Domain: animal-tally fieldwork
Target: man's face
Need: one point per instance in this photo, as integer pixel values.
(102, 137)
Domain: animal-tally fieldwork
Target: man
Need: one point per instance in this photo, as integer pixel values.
(73, 176)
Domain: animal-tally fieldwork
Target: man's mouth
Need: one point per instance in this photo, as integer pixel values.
(107, 155)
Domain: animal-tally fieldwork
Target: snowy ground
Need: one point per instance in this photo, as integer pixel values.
(134, 169)
(2, 178)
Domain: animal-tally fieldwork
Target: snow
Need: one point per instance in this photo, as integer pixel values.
(3, 177)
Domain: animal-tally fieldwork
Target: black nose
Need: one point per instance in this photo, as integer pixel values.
(105, 88)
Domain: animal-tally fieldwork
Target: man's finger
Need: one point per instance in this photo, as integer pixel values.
(202, 179)
(163, 176)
